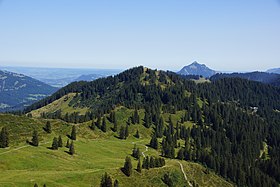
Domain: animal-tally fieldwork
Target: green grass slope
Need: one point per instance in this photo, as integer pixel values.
(96, 153)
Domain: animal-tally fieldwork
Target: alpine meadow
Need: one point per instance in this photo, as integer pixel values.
(139, 93)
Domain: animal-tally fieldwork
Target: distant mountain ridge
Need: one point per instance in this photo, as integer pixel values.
(274, 70)
(89, 77)
(263, 77)
(18, 90)
(197, 69)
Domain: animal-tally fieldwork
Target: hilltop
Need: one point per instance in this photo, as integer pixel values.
(197, 69)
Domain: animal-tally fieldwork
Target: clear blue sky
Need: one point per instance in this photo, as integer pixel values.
(238, 35)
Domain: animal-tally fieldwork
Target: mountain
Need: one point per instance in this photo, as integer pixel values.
(274, 70)
(59, 77)
(241, 114)
(18, 91)
(197, 69)
(89, 77)
(263, 77)
(224, 128)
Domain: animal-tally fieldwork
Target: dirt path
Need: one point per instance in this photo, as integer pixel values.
(18, 148)
(146, 148)
(186, 178)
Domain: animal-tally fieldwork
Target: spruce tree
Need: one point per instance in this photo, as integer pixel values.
(73, 133)
(180, 154)
(55, 143)
(48, 127)
(35, 139)
(122, 133)
(92, 126)
(67, 143)
(60, 143)
(126, 132)
(135, 117)
(139, 166)
(167, 180)
(116, 183)
(104, 127)
(127, 169)
(71, 148)
(98, 122)
(137, 135)
(4, 138)
(136, 152)
(152, 162)
(154, 142)
(115, 128)
(106, 181)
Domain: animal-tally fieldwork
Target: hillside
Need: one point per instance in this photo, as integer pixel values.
(197, 69)
(18, 91)
(267, 78)
(230, 126)
(96, 152)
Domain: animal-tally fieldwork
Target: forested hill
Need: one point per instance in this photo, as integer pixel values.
(236, 129)
(263, 77)
(18, 91)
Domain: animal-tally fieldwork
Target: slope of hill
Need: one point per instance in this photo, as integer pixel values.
(274, 70)
(242, 114)
(96, 153)
(18, 91)
(267, 78)
(197, 69)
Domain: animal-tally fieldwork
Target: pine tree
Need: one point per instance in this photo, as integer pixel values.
(154, 142)
(122, 133)
(135, 117)
(92, 126)
(67, 143)
(116, 183)
(127, 169)
(167, 180)
(126, 132)
(73, 133)
(55, 143)
(35, 185)
(147, 120)
(48, 127)
(4, 138)
(115, 128)
(60, 143)
(136, 152)
(180, 154)
(103, 127)
(35, 139)
(139, 166)
(71, 148)
(152, 162)
(137, 135)
(112, 117)
(106, 181)
(98, 122)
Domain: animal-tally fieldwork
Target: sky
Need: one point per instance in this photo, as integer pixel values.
(232, 35)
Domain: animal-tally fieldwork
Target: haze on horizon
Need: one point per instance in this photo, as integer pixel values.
(224, 35)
